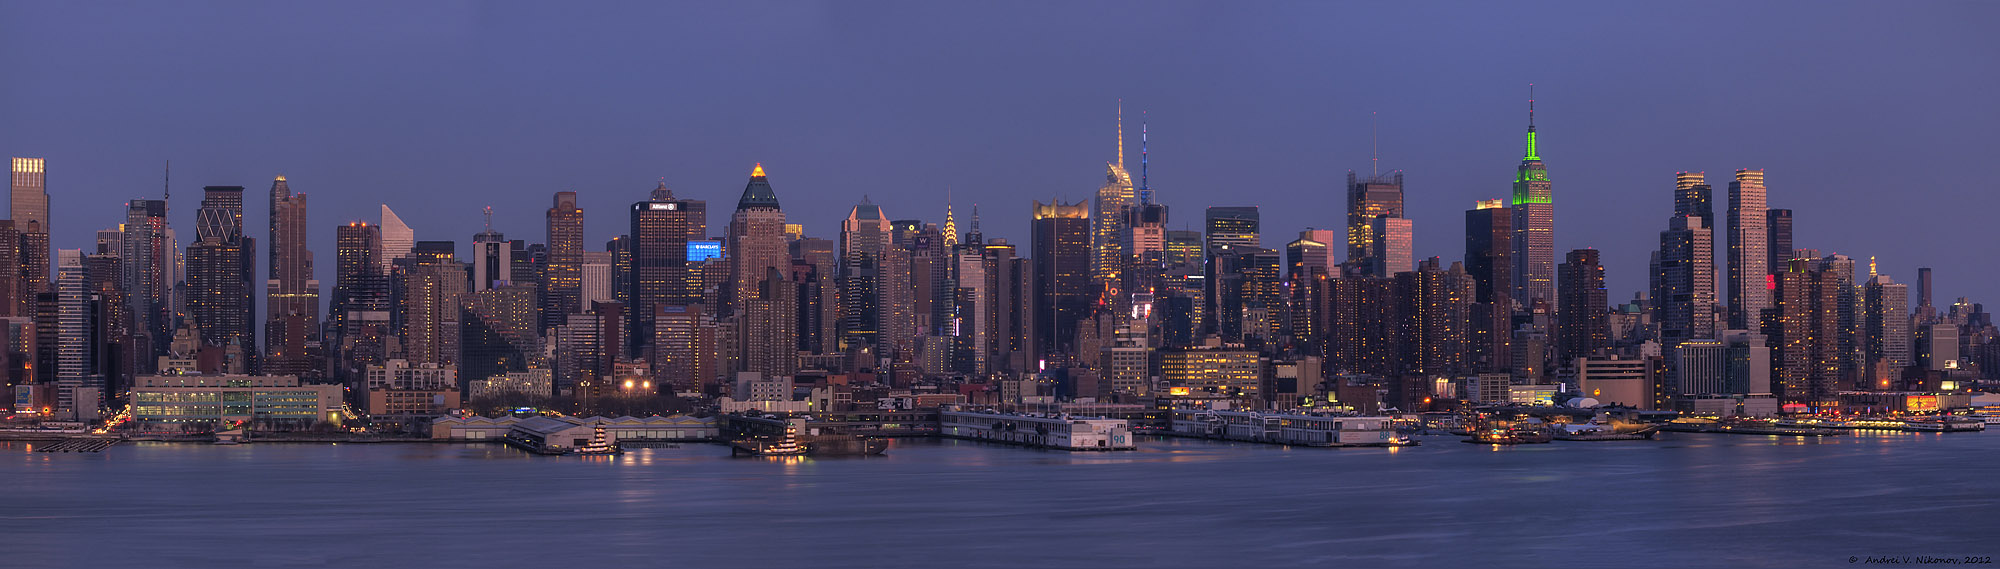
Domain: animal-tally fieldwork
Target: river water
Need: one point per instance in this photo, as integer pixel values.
(1684, 500)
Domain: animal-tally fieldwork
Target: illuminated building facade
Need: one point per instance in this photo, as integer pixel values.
(1109, 227)
(1806, 335)
(29, 199)
(562, 283)
(1886, 330)
(145, 260)
(1749, 250)
(1684, 280)
(432, 282)
(1435, 318)
(865, 243)
(1062, 291)
(1394, 249)
(1214, 368)
(1534, 225)
(1367, 199)
(220, 268)
(659, 263)
(1582, 325)
(291, 296)
(1489, 252)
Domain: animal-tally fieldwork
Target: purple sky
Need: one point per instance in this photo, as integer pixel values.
(1876, 122)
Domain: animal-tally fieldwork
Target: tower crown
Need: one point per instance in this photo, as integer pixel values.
(757, 194)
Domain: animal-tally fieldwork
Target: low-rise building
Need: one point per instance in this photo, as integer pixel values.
(1617, 381)
(405, 397)
(1214, 368)
(201, 403)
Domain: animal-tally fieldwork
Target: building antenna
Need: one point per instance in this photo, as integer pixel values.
(1375, 142)
(1531, 107)
(489, 219)
(975, 217)
(1145, 193)
(1121, 134)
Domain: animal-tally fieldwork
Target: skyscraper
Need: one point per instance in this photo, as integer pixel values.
(30, 203)
(359, 313)
(1581, 325)
(1749, 254)
(864, 247)
(1805, 339)
(1778, 226)
(659, 230)
(221, 263)
(1367, 199)
(1108, 225)
(1489, 251)
(1693, 196)
(1230, 229)
(432, 284)
(697, 211)
(147, 260)
(770, 326)
(492, 258)
(1394, 249)
(1435, 318)
(396, 240)
(14, 301)
(1684, 299)
(1885, 330)
(1247, 295)
(756, 238)
(1925, 312)
(291, 295)
(1311, 252)
(1534, 225)
(1061, 293)
(562, 290)
(79, 335)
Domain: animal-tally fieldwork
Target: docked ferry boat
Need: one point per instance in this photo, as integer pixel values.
(1047, 430)
(599, 444)
(1301, 429)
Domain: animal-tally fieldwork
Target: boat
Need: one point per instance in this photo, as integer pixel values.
(1597, 432)
(1291, 428)
(843, 445)
(1748, 427)
(1511, 436)
(599, 444)
(1945, 424)
(788, 445)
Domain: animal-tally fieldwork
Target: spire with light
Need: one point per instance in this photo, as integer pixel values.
(1532, 154)
(950, 223)
(1121, 134)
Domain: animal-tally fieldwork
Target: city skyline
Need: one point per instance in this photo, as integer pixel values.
(1610, 169)
(589, 272)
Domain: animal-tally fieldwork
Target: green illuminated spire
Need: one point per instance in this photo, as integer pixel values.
(1532, 155)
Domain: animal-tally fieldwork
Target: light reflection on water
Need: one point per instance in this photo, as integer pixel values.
(1683, 500)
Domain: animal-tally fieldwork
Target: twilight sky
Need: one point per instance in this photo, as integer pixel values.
(1876, 121)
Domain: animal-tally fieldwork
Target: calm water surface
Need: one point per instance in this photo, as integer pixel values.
(1684, 500)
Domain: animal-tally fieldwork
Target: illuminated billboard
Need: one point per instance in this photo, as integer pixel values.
(704, 250)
